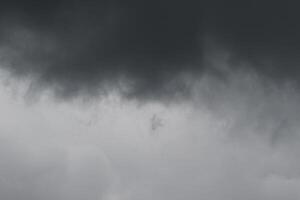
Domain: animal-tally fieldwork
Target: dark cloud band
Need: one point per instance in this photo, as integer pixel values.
(79, 46)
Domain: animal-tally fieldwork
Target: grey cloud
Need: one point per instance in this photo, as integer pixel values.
(235, 137)
(81, 46)
(87, 48)
(237, 140)
(52, 172)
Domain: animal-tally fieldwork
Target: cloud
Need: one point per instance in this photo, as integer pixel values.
(233, 140)
(81, 47)
(260, 32)
(144, 48)
(236, 135)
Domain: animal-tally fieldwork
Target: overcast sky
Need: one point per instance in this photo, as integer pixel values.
(149, 100)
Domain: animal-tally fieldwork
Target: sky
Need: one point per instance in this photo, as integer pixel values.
(140, 100)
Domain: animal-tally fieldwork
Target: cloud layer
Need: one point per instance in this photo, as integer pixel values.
(143, 48)
(232, 140)
(235, 136)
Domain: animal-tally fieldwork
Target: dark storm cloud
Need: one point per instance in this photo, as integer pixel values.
(81, 45)
(262, 32)
(86, 46)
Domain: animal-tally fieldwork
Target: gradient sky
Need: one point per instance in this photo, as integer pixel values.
(143, 100)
